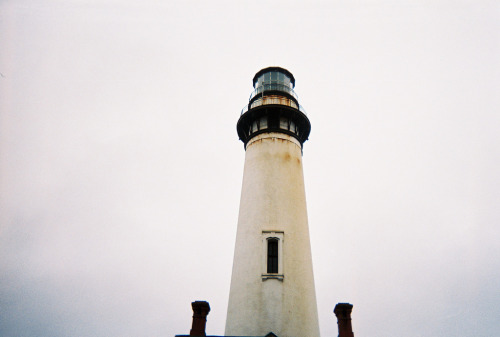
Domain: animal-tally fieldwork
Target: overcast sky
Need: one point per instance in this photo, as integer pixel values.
(121, 169)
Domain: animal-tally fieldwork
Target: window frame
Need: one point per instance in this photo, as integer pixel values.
(277, 236)
(272, 255)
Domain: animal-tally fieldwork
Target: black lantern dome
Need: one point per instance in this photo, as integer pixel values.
(273, 107)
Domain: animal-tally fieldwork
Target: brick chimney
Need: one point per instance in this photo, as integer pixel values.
(200, 312)
(343, 313)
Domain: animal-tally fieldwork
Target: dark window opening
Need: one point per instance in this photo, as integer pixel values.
(272, 256)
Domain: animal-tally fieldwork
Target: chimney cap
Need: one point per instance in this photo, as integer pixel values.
(344, 308)
(200, 305)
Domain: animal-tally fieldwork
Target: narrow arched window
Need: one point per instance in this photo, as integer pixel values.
(272, 255)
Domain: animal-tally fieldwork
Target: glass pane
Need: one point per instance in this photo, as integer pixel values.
(283, 123)
(263, 122)
(272, 256)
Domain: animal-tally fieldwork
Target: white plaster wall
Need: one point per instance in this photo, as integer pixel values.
(272, 199)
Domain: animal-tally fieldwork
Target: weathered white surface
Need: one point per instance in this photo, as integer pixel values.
(272, 199)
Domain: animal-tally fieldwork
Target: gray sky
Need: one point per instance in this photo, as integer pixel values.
(120, 167)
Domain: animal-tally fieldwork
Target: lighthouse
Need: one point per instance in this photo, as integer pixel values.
(272, 284)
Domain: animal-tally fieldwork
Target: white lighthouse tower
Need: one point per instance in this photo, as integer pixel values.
(272, 284)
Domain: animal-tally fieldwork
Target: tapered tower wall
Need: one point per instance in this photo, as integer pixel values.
(272, 204)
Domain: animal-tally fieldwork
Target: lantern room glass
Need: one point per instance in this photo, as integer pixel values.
(273, 77)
